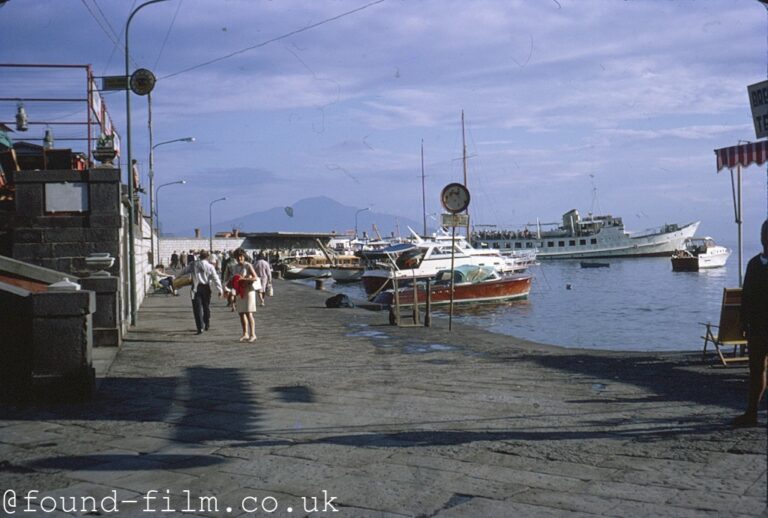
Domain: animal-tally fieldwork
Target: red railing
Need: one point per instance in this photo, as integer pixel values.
(64, 97)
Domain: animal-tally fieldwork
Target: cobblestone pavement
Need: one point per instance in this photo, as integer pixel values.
(336, 409)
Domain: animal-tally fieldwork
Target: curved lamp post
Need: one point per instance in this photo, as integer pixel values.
(152, 190)
(356, 213)
(765, 4)
(157, 206)
(210, 223)
(131, 245)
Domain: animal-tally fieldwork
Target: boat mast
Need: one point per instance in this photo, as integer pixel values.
(423, 191)
(464, 161)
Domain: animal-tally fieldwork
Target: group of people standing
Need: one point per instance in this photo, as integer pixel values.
(243, 283)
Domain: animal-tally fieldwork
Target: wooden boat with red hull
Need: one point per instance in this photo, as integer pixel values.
(472, 284)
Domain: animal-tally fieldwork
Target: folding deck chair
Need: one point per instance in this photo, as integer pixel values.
(729, 332)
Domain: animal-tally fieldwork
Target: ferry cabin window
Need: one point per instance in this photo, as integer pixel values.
(528, 244)
(561, 243)
(582, 241)
(572, 242)
(495, 245)
(518, 245)
(550, 244)
(507, 245)
(593, 241)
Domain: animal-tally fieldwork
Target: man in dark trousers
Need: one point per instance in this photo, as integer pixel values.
(203, 274)
(754, 319)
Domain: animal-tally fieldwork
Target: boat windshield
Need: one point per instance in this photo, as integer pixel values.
(410, 259)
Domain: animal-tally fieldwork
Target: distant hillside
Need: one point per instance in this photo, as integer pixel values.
(318, 214)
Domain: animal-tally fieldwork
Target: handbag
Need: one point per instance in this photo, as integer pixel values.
(270, 291)
(180, 282)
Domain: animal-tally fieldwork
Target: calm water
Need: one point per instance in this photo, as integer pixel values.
(633, 305)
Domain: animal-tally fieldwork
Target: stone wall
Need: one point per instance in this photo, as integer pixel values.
(47, 346)
(61, 240)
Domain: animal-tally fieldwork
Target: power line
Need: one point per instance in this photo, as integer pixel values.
(106, 20)
(278, 38)
(100, 23)
(168, 33)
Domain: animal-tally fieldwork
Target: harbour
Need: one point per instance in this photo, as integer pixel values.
(637, 304)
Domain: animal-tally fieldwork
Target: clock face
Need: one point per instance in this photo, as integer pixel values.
(455, 197)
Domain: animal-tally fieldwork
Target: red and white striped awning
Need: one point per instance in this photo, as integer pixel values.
(743, 154)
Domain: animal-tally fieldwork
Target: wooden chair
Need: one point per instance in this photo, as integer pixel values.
(729, 332)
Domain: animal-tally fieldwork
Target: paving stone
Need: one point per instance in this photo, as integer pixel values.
(338, 400)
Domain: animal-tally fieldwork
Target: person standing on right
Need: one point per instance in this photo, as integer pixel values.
(264, 271)
(754, 320)
(245, 283)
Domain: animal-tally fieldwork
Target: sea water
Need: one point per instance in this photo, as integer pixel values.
(635, 304)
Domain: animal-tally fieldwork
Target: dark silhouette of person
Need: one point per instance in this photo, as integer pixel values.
(754, 320)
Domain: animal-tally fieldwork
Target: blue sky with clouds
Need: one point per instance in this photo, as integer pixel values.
(560, 98)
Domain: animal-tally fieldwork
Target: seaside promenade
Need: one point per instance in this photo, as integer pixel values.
(334, 409)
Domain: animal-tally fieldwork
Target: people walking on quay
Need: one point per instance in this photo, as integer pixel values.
(245, 283)
(203, 275)
(264, 271)
(754, 320)
(175, 260)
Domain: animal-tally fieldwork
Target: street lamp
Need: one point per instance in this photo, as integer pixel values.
(210, 223)
(131, 245)
(152, 188)
(356, 213)
(157, 206)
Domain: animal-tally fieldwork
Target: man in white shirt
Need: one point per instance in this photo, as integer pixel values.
(203, 274)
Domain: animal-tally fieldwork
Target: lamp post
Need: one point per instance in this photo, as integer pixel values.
(131, 245)
(152, 188)
(765, 4)
(157, 206)
(210, 223)
(356, 213)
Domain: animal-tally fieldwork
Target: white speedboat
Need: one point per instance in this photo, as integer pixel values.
(699, 253)
(424, 258)
(593, 236)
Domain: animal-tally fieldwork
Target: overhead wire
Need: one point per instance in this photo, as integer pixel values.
(272, 40)
(109, 34)
(167, 34)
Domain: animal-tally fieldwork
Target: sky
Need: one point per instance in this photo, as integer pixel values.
(606, 106)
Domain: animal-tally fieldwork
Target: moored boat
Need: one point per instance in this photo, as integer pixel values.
(593, 236)
(423, 258)
(472, 284)
(699, 253)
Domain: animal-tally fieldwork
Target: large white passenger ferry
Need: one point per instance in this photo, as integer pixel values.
(593, 236)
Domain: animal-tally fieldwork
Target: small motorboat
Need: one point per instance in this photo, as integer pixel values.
(471, 284)
(699, 253)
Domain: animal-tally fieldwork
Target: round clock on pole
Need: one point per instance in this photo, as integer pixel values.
(455, 198)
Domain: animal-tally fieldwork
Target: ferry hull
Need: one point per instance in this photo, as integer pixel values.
(616, 244)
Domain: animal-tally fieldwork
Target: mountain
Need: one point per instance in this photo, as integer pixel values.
(318, 214)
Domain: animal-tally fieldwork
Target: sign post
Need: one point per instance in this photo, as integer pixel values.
(758, 101)
(455, 199)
